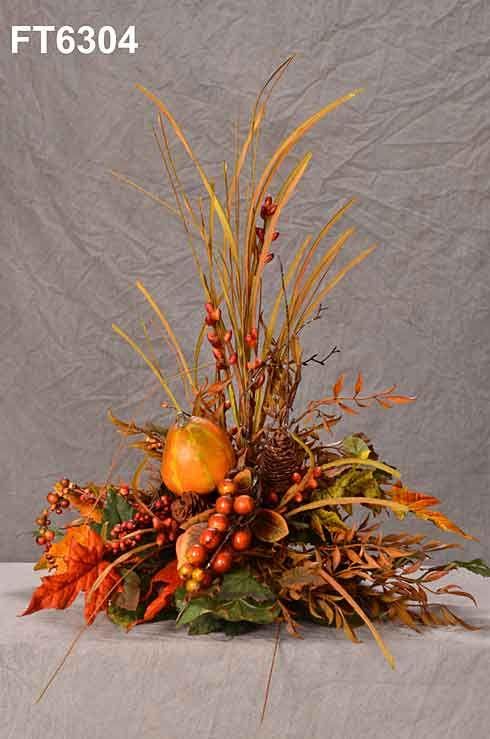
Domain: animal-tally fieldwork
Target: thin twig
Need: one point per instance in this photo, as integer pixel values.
(61, 664)
(269, 679)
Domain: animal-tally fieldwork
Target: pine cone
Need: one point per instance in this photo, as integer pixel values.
(187, 505)
(280, 457)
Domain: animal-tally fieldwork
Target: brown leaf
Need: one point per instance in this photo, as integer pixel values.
(269, 526)
(411, 498)
(243, 479)
(443, 522)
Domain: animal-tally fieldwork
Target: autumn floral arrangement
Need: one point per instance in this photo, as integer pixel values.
(245, 510)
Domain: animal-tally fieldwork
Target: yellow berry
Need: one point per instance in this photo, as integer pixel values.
(198, 575)
(186, 571)
(192, 586)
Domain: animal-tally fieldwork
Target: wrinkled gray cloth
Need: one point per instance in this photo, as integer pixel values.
(413, 148)
(158, 683)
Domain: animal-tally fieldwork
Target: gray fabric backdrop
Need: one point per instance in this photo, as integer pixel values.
(414, 149)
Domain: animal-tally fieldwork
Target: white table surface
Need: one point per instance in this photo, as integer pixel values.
(156, 682)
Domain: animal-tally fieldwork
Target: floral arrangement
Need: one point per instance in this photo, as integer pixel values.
(245, 510)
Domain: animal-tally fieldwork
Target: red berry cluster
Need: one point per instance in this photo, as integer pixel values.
(307, 480)
(57, 497)
(128, 534)
(220, 339)
(226, 535)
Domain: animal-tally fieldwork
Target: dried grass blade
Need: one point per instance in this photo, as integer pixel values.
(175, 342)
(150, 364)
(180, 135)
(357, 608)
(323, 293)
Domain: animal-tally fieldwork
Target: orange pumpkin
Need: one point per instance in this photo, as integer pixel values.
(197, 456)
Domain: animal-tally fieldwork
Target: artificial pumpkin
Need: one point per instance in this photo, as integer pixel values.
(197, 456)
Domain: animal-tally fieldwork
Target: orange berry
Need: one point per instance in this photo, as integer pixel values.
(219, 521)
(210, 539)
(317, 472)
(222, 562)
(296, 477)
(241, 539)
(224, 504)
(243, 504)
(196, 555)
(298, 498)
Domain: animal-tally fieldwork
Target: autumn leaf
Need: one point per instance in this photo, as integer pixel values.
(411, 498)
(337, 388)
(84, 564)
(400, 399)
(187, 539)
(170, 576)
(88, 510)
(60, 550)
(359, 383)
(269, 526)
(443, 523)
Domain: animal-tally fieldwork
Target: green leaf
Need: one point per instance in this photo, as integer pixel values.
(242, 584)
(240, 598)
(205, 624)
(243, 610)
(116, 509)
(121, 616)
(353, 483)
(331, 520)
(194, 609)
(355, 446)
(208, 624)
(478, 566)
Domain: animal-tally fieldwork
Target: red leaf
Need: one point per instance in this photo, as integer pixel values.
(84, 565)
(359, 383)
(169, 575)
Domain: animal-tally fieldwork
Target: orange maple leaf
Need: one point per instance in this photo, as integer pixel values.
(85, 564)
(169, 575)
(60, 550)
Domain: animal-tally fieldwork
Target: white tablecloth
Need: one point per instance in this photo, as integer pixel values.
(159, 683)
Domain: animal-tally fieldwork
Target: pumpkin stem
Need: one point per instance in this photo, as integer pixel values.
(181, 419)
